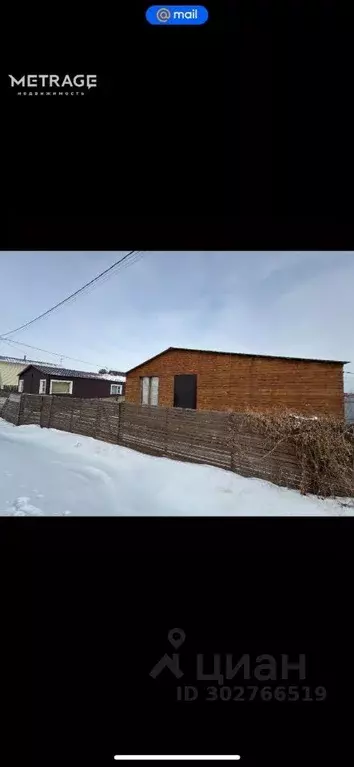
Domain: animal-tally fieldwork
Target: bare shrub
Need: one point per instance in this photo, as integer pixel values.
(324, 447)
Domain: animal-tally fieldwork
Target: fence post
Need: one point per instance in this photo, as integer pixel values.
(119, 420)
(41, 413)
(71, 415)
(166, 432)
(98, 417)
(50, 411)
(20, 410)
(232, 441)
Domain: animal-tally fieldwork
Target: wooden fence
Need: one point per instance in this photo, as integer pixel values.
(10, 408)
(215, 438)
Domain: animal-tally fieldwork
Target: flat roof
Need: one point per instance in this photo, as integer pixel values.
(236, 354)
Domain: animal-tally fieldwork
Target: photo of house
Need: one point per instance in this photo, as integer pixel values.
(236, 397)
(230, 381)
(45, 379)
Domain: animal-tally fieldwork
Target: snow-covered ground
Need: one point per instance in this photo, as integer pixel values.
(53, 473)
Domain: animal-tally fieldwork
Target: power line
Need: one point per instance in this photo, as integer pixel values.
(90, 286)
(67, 357)
(56, 354)
(135, 258)
(72, 295)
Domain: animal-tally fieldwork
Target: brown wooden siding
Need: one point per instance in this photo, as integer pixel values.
(227, 382)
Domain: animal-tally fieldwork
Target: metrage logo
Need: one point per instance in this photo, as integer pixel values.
(53, 85)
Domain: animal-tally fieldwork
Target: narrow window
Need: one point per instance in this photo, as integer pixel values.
(42, 386)
(145, 388)
(149, 390)
(154, 391)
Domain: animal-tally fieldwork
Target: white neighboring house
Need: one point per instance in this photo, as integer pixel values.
(10, 367)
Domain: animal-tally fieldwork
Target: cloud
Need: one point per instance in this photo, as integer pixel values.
(283, 303)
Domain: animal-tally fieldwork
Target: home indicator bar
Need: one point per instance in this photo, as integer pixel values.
(177, 757)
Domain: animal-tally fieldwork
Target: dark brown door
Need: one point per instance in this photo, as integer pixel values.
(185, 391)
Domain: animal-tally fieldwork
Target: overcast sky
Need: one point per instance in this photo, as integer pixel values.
(287, 303)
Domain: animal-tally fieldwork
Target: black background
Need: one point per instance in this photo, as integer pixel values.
(141, 142)
(98, 597)
(237, 134)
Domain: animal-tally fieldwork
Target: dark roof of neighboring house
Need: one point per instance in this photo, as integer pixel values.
(235, 354)
(65, 372)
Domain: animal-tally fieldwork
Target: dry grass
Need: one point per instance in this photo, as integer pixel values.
(323, 446)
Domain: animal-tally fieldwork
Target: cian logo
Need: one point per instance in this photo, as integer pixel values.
(176, 637)
(219, 667)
